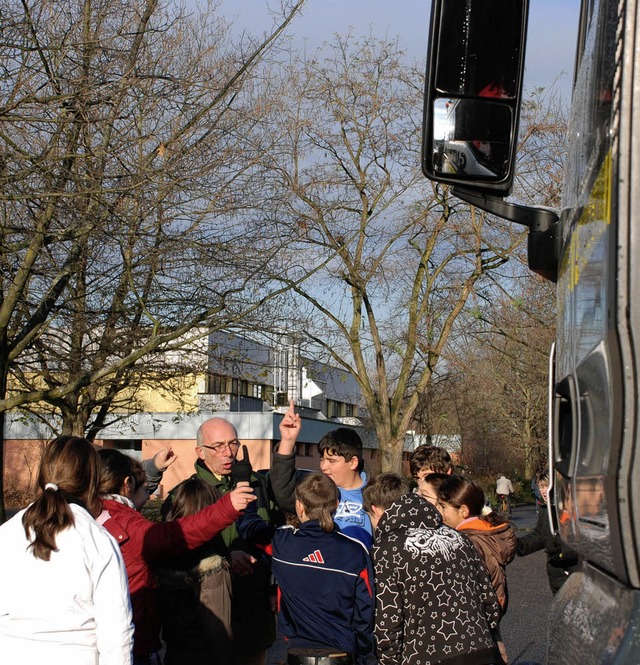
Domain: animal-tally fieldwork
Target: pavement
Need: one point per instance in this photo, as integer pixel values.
(524, 627)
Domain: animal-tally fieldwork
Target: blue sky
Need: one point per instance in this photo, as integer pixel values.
(550, 47)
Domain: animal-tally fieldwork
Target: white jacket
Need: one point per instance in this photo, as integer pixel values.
(73, 609)
(504, 486)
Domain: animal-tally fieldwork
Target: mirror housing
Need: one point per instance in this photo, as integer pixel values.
(473, 93)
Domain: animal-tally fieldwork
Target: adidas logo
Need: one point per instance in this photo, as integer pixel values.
(314, 557)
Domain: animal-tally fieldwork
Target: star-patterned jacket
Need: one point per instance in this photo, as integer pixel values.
(434, 599)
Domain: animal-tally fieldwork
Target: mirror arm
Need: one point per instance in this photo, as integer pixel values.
(537, 219)
(543, 225)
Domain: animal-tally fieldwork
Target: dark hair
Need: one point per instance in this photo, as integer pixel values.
(430, 457)
(71, 463)
(190, 497)
(460, 491)
(342, 441)
(115, 468)
(138, 474)
(383, 490)
(435, 480)
(319, 497)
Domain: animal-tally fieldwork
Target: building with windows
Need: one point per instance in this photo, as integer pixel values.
(245, 380)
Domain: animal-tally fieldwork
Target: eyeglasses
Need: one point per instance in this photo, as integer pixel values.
(219, 448)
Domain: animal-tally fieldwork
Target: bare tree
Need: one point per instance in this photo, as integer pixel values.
(131, 140)
(494, 386)
(542, 148)
(395, 258)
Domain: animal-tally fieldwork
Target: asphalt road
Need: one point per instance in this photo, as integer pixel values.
(524, 627)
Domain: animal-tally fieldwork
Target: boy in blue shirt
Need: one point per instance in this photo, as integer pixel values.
(341, 460)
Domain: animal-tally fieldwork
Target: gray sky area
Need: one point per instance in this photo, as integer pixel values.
(550, 47)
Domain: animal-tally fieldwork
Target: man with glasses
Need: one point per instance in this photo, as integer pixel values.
(253, 600)
(217, 445)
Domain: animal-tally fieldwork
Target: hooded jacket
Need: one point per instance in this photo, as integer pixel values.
(195, 603)
(252, 616)
(434, 599)
(496, 545)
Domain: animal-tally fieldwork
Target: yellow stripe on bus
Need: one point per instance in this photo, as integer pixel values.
(593, 223)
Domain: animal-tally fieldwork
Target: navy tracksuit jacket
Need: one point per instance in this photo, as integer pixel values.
(326, 589)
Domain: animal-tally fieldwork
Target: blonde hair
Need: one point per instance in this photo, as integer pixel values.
(319, 497)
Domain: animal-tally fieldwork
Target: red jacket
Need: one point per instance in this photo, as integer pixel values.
(144, 543)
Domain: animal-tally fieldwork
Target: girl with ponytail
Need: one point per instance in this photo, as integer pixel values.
(325, 581)
(68, 474)
(462, 503)
(64, 587)
(463, 507)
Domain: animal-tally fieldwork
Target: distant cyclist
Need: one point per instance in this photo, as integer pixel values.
(504, 490)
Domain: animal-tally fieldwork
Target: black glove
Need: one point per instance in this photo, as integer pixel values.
(241, 469)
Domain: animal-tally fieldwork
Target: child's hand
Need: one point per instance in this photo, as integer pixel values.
(290, 427)
(242, 562)
(164, 459)
(241, 497)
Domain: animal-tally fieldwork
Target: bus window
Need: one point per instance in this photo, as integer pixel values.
(592, 104)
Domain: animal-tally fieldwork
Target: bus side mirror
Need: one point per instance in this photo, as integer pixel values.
(473, 92)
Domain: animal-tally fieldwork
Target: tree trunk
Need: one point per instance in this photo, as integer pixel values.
(3, 512)
(3, 418)
(390, 454)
